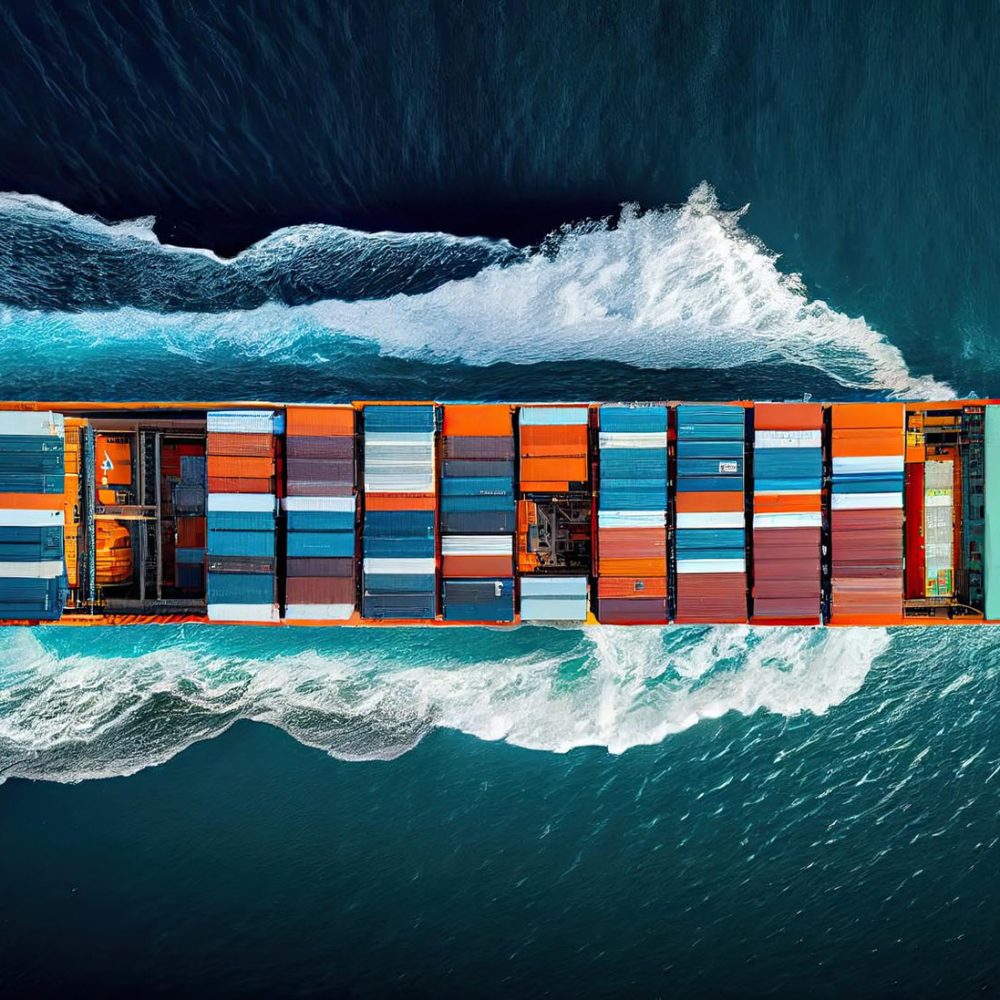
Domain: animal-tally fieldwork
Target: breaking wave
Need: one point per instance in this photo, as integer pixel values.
(70, 709)
(683, 287)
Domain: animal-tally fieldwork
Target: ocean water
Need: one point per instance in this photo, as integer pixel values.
(499, 201)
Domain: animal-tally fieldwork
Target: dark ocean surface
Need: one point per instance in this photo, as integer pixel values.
(411, 200)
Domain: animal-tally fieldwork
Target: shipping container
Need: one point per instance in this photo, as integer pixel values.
(710, 541)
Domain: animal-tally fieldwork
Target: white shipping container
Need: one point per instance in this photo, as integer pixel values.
(32, 423)
(243, 612)
(788, 439)
(637, 439)
(410, 567)
(325, 504)
(32, 518)
(46, 569)
(719, 519)
(790, 519)
(711, 565)
(868, 463)
(631, 518)
(477, 545)
(240, 422)
(554, 586)
(319, 612)
(866, 501)
(242, 503)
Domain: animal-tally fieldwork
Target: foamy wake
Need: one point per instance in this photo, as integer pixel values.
(70, 717)
(683, 287)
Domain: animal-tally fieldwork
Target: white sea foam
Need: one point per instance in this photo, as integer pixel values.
(69, 717)
(683, 287)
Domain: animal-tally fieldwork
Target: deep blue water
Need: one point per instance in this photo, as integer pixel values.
(406, 200)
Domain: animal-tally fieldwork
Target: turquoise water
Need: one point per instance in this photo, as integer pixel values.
(543, 812)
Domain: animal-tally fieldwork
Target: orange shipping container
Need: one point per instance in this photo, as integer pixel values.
(632, 567)
(575, 436)
(787, 416)
(631, 542)
(256, 445)
(570, 469)
(478, 420)
(709, 503)
(787, 504)
(400, 501)
(868, 415)
(319, 421)
(32, 501)
(240, 466)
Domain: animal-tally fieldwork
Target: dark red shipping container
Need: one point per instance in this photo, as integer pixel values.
(319, 590)
(320, 567)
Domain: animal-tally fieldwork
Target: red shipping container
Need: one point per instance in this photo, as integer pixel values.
(472, 567)
(632, 611)
(631, 587)
(319, 590)
(711, 598)
(228, 484)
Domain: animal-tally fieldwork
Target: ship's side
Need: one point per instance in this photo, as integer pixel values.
(496, 514)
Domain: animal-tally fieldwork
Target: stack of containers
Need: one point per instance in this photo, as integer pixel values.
(787, 512)
(553, 448)
(32, 572)
(242, 502)
(400, 523)
(188, 496)
(711, 535)
(632, 515)
(477, 513)
(866, 515)
(320, 506)
(554, 459)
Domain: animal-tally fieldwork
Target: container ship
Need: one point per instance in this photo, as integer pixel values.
(406, 513)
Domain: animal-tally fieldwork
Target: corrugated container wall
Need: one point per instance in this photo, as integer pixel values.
(242, 503)
(787, 512)
(866, 512)
(631, 557)
(710, 540)
(991, 540)
(555, 459)
(320, 505)
(33, 581)
(477, 513)
(400, 522)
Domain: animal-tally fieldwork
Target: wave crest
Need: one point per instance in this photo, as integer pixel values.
(70, 715)
(676, 288)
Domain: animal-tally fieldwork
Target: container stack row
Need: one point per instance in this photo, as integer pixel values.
(866, 510)
(711, 536)
(554, 452)
(632, 515)
(477, 513)
(787, 512)
(32, 518)
(320, 513)
(242, 502)
(400, 523)
(188, 499)
(554, 448)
